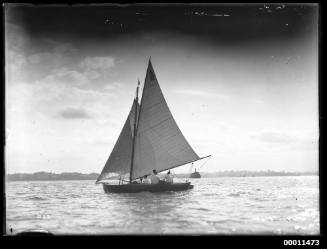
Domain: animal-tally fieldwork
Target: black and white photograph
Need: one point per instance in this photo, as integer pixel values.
(161, 119)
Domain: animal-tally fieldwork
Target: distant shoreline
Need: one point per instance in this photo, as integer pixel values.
(70, 176)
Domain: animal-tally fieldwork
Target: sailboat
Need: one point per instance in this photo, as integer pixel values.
(150, 139)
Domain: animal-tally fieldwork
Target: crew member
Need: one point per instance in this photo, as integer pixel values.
(168, 177)
(154, 178)
(146, 180)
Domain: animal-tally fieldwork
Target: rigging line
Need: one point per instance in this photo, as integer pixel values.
(204, 162)
(175, 166)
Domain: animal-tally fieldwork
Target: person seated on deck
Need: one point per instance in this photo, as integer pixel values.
(146, 180)
(154, 178)
(168, 177)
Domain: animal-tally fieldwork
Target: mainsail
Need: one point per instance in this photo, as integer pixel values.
(119, 161)
(159, 142)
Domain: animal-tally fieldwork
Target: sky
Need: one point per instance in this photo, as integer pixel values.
(240, 80)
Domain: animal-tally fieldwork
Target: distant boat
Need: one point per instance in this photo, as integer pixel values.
(150, 139)
(195, 174)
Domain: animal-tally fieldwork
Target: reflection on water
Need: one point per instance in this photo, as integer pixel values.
(247, 205)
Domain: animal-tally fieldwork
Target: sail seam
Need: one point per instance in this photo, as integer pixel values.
(150, 107)
(150, 128)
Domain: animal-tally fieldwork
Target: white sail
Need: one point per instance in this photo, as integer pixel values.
(159, 143)
(119, 161)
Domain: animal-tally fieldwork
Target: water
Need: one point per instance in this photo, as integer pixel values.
(228, 205)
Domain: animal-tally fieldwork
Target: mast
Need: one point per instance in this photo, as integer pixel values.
(134, 132)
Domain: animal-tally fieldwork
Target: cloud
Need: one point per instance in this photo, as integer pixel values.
(56, 55)
(92, 75)
(59, 53)
(257, 101)
(49, 60)
(65, 48)
(16, 42)
(192, 92)
(273, 137)
(15, 36)
(200, 93)
(24, 65)
(15, 63)
(54, 63)
(40, 57)
(112, 86)
(97, 63)
(25, 101)
(298, 139)
(74, 113)
(65, 76)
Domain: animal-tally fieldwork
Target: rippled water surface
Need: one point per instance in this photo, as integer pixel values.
(226, 205)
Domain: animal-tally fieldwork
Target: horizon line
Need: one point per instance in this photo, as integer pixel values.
(267, 170)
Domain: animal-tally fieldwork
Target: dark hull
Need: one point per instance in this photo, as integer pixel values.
(135, 188)
(195, 175)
